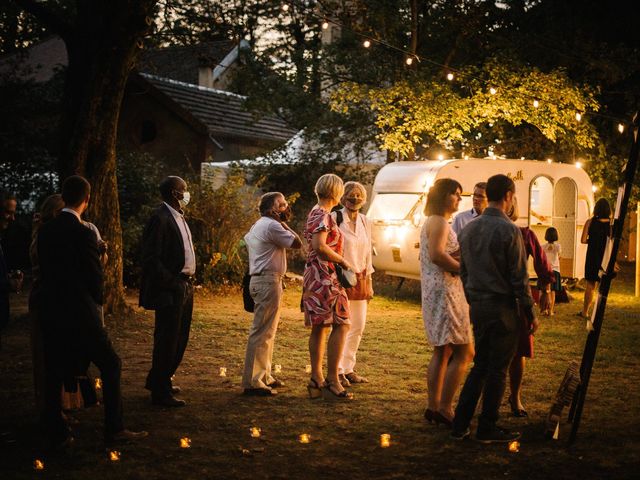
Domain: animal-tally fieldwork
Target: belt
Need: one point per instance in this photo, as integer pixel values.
(266, 272)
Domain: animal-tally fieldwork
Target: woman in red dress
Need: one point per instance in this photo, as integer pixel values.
(324, 300)
(525, 343)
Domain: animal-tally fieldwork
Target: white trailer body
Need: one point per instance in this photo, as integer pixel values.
(549, 194)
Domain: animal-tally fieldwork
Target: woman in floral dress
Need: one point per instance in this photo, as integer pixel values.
(444, 308)
(324, 300)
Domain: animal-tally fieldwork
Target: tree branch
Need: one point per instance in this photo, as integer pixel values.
(50, 18)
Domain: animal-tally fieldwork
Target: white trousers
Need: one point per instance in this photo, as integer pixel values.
(266, 290)
(358, 309)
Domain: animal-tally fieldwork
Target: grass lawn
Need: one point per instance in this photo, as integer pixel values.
(344, 437)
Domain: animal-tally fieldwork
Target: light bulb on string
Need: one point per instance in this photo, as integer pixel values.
(450, 76)
(366, 44)
(325, 25)
(549, 160)
(536, 103)
(578, 116)
(493, 91)
(409, 60)
(578, 164)
(621, 128)
(285, 7)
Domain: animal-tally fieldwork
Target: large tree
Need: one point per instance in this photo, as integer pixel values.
(102, 38)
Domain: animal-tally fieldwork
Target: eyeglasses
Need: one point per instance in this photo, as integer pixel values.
(480, 197)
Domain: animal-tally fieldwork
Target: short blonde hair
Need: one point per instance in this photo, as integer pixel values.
(329, 186)
(350, 186)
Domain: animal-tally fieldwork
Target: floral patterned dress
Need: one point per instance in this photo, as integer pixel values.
(324, 300)
(445, 311)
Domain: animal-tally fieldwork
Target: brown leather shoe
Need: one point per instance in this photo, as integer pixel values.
(277, 383)
(175, 389)
(124, 436)
(168, 401)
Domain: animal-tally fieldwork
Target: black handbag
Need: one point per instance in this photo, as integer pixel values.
(247, 299)
(347, 278)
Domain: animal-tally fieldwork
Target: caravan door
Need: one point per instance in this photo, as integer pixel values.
(565, 205)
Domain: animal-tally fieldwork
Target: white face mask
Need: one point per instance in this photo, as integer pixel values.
(186, 196)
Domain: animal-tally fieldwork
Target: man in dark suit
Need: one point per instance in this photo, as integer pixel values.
(72, 288)
(168, 266)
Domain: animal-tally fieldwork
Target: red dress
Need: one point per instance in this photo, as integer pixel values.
(545, 276)
(324, 300)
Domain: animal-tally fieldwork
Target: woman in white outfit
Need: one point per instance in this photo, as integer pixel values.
(356, 230)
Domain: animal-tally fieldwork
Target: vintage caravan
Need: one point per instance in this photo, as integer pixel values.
(549, 194)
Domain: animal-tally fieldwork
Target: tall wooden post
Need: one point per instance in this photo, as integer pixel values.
(591, 345)
(638, 250)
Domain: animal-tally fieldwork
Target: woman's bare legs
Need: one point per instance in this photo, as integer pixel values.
(461, 357)
(516, 372)
(435, 375)
(552, 302)
(334, 355)
(588, 297)
(317, 342)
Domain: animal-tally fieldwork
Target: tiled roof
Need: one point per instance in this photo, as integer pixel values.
(223, 113)
(183, 62)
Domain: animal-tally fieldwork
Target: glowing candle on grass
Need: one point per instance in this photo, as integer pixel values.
(98, 383)
(514, 447)
(255, 432)
(307, 369)
(185, 442)
(114, 456)
(385, 440)
(38, 464)
(223, 371)
(277, 368)
(304, 438)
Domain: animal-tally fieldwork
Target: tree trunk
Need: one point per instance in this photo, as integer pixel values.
(102, 38)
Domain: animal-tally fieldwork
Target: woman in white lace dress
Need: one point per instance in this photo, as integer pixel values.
(444, 308)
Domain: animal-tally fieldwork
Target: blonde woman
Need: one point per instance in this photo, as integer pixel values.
(324, 300)
(356, 230)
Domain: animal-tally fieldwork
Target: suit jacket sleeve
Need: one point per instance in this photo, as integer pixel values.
(89, 260)
(152, 261)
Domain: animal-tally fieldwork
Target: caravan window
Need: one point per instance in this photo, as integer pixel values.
(395, 206)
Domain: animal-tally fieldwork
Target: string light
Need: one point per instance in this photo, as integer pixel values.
(594, 189)
(450, 76)
(549, 160)
(285, 7)
(578, 164)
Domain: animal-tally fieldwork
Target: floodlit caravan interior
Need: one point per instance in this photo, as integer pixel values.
(549, 194)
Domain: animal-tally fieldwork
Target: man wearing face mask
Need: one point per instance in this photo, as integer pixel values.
(267, 242)
(168, 268)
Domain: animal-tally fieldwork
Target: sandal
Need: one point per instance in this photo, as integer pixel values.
(314, 389)
(344, 381)
(517, 412)
(353, 377)
(329, 394)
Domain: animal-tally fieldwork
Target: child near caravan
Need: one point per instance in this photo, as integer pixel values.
(552, 250)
